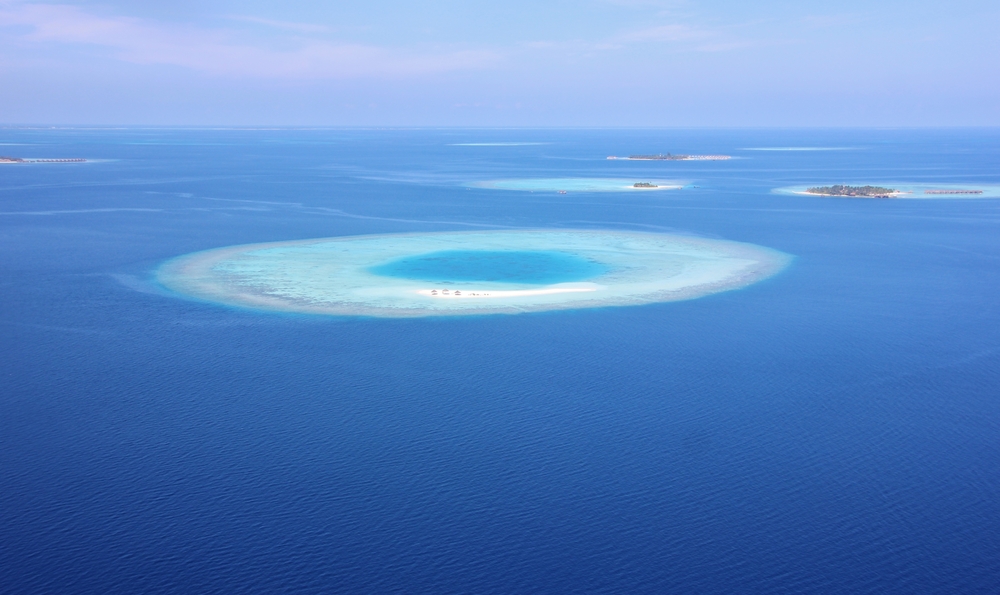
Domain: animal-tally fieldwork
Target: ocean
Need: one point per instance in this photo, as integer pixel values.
(832, 429)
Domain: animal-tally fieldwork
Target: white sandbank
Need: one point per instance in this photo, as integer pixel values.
(476, 293)
(332, 275)
(889, 195)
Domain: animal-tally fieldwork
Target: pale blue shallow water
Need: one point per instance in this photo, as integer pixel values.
(579, 184)
(832, 429)
(527, 266)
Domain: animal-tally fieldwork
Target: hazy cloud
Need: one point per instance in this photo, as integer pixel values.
(223, 51)
(665, 33)
(285, 25)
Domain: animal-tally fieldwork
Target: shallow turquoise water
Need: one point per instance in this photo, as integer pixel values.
(536, 267)
(582, 184)
(387, 275)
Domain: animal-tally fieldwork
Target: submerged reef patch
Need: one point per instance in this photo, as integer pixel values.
(456, 273)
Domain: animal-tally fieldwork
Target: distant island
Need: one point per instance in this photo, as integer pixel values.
(670, 157)
(4, 159)
(644, 185)
(854, 191)
(953, 191)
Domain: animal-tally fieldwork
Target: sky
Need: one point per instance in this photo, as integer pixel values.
(513, 63)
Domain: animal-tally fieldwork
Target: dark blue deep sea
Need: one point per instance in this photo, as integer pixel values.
(833, 429)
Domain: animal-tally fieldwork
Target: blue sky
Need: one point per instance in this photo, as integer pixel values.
(515, 63)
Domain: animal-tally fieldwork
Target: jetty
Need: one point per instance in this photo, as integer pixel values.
(4, 159)
(953, 191)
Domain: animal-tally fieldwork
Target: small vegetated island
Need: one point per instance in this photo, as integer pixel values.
(897, 190)
(5, 159)
(644, 185)
(670, 157)
(854, 191)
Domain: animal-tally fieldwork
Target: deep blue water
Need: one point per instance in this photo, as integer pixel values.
(833, 429)
(502, 266)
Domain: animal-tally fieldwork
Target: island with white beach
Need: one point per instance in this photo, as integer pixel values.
(468, 273)
(897, 191)
(866, 191)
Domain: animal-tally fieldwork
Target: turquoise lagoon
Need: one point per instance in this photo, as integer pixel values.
(488, 272)
(512, 266)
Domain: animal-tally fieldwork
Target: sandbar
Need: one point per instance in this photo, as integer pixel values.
(476, 293)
